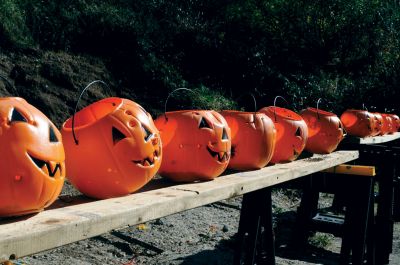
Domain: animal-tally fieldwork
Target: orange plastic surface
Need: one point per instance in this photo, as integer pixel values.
(324, 131)
(291, 133)
(196, 145)
(378, 124)
(395, 122)
(32, 159)
(360, 123)
(387, 124)
(119, 148)
(253, 139)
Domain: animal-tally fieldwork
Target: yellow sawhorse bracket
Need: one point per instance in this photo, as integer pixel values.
(352, 170)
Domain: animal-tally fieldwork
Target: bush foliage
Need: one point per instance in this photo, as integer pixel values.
(345, 51)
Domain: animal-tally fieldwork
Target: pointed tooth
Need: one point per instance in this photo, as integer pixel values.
(146, 163)
(45, 169)
(52, 165)
(57, 173)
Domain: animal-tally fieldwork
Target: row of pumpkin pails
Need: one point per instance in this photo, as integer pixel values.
(112, 147)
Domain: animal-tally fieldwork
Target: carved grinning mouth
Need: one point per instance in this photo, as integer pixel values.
(148, 161)
(47, 167)
(221, 156)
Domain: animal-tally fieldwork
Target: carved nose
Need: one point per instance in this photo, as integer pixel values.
(298, 132)
(52, 135)
(224, 134)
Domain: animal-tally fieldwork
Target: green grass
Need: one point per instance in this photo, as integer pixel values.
(321, 240)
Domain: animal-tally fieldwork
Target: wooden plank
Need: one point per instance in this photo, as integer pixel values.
(352, 170)
(61, 226)
(371, 140)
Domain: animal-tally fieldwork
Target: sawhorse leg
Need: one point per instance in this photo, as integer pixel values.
(306, 211)
(357, 196)
(357, 220)
(384, 218)
(255, 238)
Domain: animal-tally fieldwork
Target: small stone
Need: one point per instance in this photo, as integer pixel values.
(225, 228)
(159, 222)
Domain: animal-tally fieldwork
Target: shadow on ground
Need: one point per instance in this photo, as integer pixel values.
(287, 248)
(221, 255)
(287, 252)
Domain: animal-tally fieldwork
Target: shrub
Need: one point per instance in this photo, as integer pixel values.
(13, 29)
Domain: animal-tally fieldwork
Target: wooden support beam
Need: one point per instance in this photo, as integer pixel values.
(371, 140)
(56, 227)
(352, 170)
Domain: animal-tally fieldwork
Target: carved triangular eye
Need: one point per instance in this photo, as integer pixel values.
(117, 135)
(298, 132)
(204, 124)
(224, 135)
(17, 116)
(147, 133)
(52, 135)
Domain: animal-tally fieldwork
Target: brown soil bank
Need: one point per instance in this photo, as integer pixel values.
(51, 81)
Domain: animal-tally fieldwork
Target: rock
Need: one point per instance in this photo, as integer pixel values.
(159, 222)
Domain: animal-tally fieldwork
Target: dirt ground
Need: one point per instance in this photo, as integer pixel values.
(205, 235)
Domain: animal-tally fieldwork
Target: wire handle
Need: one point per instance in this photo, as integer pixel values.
(77, 102)
(169, 95)
(254, 100)
(275, 105)
(326, 103)
(10, 85)
(318, 101)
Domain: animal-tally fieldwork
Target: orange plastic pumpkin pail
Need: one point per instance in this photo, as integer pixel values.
(196, 144)
(113, 149)
(291, 133)
(32, 164)
(387, 124)
(324, 130)
(395, 122)
(358, 123)
(253, 139)
(378, 124)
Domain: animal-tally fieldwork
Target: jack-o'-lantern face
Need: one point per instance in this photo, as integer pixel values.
(253, 139)
(196, 145)
(118, 150)
(387, 124)
(360, 123)
(32, 164)
(291, 133)
(325, 130)
(378, 124)
(395, 122)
